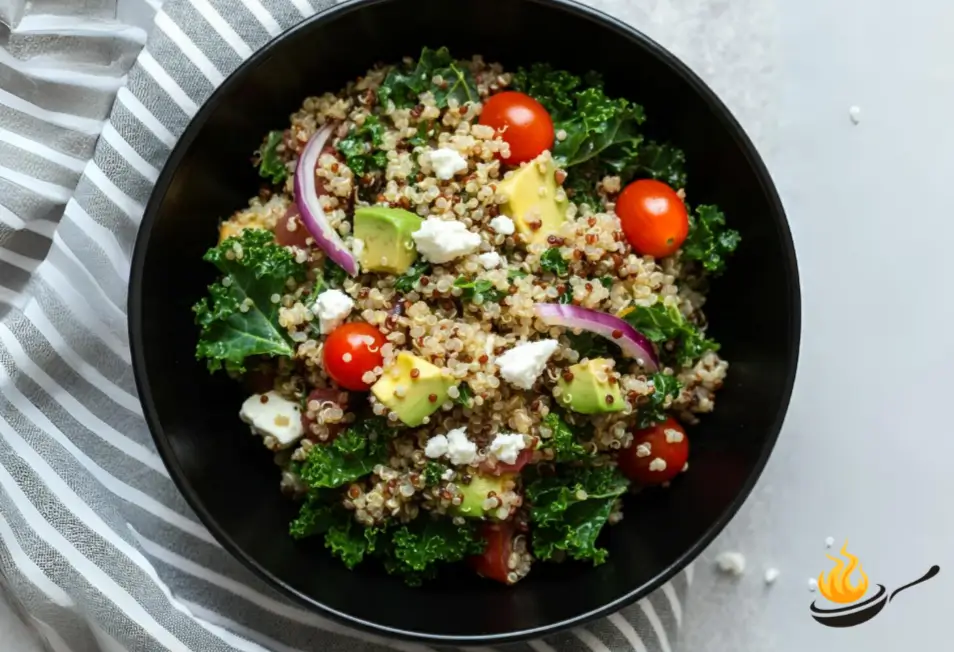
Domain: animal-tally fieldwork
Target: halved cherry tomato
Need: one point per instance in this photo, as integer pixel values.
(492, 564)
(653, 216)
(658, 453)
(522, 122)
(500, 468)
(352, 350)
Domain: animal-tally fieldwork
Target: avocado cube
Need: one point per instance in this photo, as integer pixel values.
(474, 494)
(385, 235)
(586, 393)
(413, 397)
(531, 193)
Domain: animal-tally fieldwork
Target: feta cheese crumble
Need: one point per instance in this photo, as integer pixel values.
(829, 542)
(490, 260)
(460, 450)
(447, 162)
(454, 445)
(812, 585)
(854, 114)
(332, 307)
(441, 241)
(523, 364)
(276, 419)
(771, 575)
(730, 562)
(502, 225)
(506, 447)
(436, 447)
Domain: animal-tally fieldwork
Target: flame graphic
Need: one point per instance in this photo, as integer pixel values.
(836, 584)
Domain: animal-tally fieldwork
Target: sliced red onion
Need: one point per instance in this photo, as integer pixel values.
(312, 216)
(633, 343)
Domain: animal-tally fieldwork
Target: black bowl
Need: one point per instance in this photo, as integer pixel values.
(229, 479)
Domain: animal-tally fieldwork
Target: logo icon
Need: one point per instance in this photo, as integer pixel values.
(838, 587)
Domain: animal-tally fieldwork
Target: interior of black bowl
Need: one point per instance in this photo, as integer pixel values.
(229, 477)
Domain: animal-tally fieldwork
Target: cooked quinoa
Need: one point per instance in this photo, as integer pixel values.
(462, 316)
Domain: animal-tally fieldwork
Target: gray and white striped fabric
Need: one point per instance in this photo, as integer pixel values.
(96, 544)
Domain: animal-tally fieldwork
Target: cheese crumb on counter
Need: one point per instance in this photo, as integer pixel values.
(332, 307)
(731, 562)
(812, 585)
(771, 575)
(275, 418)
(446, 163)
(441, 241)
(829, 542)
(523, 364)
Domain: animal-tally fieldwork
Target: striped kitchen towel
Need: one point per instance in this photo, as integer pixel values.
(96, 544)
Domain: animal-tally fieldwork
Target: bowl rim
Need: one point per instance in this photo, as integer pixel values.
(198, 121)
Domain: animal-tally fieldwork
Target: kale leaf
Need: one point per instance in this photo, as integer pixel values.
(552, 261)
(658, 161)
(660, 323)
(433, 473)
(270, 166)
(709, 241)
(317, 514)
(403, 85)
(239, 319)
(654, 411)
(479, 290)
(353, 455)
(562, 440)
(361, 147)
(466, 396)
(515, 274)
(590, 345)
(351, 542)
(569, 508)
(406, 282)
(418, 549)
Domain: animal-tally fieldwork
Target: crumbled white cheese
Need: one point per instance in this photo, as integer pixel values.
(332, 307)
(829, 542)
(506, 447)
(854, 113)
(276, 419)
(502, 225)
(447, 162)
(771, 574)
(460, 450)
(731, 562)
(523, 364)
(440, 241)
(673, 436)
(436, 447)
(490, 260)
(812, 585)
(658, 464)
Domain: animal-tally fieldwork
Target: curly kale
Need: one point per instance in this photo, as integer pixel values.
(403, 85)
(553, 261)
(239, 319)
(664, 387)
(569, 508)
(351, 456)
(562, 440)
(709, 241)
(418, 550)
(479, 290)
(270, 165)
(661, 324)
(405, 282)
(361, 147)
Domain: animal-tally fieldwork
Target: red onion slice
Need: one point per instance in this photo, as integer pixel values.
(312, 216)
(633, 343)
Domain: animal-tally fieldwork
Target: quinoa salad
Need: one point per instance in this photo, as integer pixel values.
(466, 306)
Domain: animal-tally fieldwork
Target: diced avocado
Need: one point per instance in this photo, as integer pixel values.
(475, 493)
(386, 237)
(531, 199)
(413, 396)
(586, 393)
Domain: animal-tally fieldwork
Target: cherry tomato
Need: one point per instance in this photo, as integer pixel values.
(352, 350)
(658, 453)
(653, 216)
(500, 468)
(492, 564)
(522, 122)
